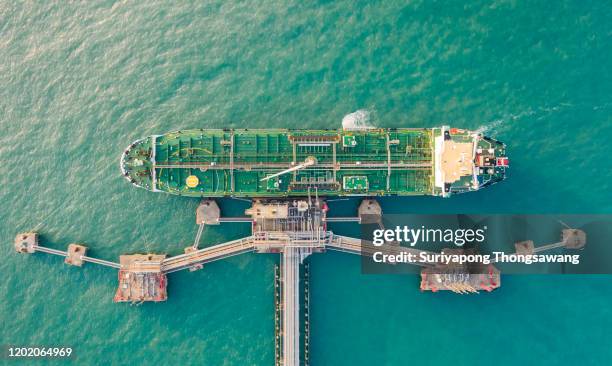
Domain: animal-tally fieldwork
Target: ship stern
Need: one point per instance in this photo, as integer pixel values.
(467, 161)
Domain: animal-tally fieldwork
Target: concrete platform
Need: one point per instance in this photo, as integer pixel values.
(76, 252)
(208, 212)
(26, 242)
(460, 278)
(370, 211)
(141, 279)
(271, 211)
(524, 247)
(574, 238)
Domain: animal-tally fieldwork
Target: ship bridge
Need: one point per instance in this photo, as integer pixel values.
(467, 161)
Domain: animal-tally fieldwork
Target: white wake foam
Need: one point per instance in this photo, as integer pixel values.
(358, 120)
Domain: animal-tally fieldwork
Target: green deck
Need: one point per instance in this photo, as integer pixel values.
(207, 154)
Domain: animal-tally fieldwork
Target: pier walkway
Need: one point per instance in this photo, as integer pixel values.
(75, 255)
(208, 254)
(291, 259)
(84, 258)
(362, 247)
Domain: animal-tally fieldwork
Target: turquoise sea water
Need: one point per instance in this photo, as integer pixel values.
(80, 81)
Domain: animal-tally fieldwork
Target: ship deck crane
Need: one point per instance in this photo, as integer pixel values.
(309, 161)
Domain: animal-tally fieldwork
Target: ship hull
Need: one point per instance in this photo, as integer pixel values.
(373, 162)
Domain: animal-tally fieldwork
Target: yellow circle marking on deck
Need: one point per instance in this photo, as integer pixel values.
(192, 181)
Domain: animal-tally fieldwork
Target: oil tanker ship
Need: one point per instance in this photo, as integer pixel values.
(291, 162)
